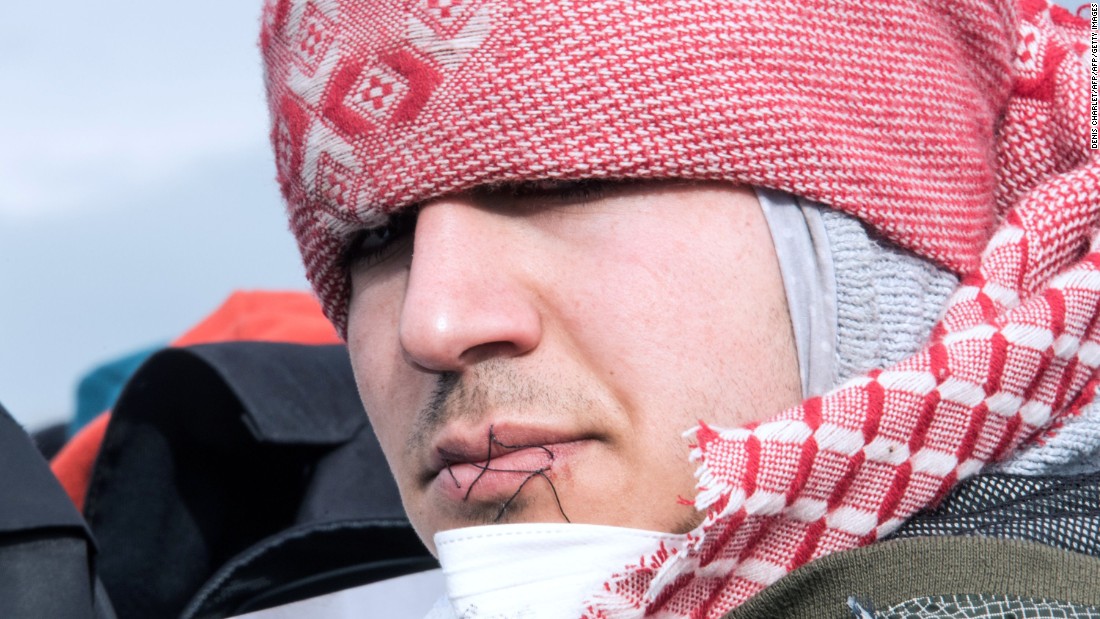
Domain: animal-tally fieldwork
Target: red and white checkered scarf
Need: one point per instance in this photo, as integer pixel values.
(948, 127)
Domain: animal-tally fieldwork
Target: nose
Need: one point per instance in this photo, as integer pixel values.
(469, 295)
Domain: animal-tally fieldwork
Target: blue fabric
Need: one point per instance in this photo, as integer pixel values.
(98, 390)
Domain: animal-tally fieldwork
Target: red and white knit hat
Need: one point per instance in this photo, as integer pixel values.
(958, 130)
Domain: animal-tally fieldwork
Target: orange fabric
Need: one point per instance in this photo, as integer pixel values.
(260, 315)
(266, 316)
(73, 464)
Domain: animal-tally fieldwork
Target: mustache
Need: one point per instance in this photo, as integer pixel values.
(494, 385)
(435, 413)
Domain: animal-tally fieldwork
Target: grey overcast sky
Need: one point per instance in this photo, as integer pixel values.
(136, 186)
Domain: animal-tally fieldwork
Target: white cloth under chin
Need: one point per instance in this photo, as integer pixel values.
(534, 571)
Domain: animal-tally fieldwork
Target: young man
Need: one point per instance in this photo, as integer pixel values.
(558, 235)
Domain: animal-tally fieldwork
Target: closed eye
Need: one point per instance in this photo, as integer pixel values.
(373, 246)
(550, 192)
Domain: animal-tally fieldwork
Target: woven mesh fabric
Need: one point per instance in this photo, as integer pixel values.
(1063, 512)
(945, 126)
(978, 606)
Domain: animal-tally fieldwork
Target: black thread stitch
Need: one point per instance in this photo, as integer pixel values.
(540, 472)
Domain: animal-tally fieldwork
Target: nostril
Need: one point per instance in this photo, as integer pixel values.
(484, 352)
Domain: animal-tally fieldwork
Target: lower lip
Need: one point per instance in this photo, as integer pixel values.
(500, 478)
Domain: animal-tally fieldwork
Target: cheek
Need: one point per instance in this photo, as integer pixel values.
(692, 320)
(385, 381)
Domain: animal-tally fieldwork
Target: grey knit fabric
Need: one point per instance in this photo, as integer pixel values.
(876, 302)
(1073, 450)
(888, 300)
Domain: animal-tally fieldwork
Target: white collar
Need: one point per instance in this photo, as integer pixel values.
(532, 571)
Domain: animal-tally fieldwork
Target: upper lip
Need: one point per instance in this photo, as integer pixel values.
(473, 445)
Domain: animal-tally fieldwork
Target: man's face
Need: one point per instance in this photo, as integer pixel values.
(535, 353)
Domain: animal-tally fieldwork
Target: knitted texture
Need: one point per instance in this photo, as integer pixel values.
(887, 299)
(1070, 446)
(945, 126)
(887, 113)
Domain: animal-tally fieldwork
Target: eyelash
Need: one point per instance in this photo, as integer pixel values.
(557, 191)
(375, 245)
